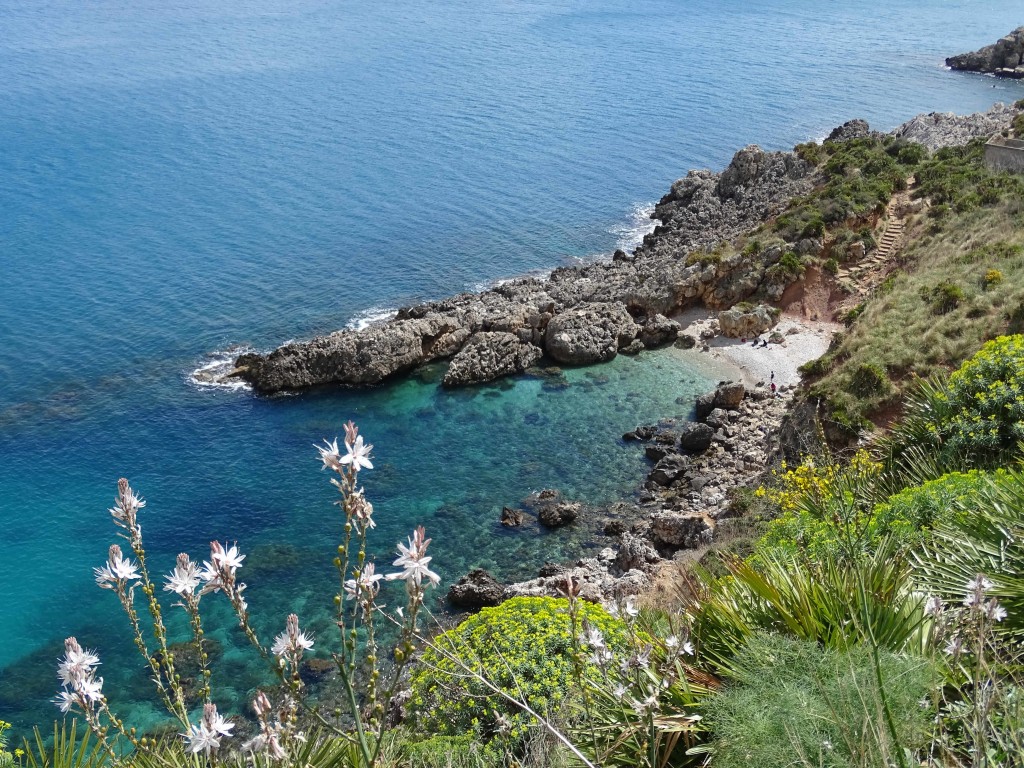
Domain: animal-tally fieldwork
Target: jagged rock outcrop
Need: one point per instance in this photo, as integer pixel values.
(851, 129)
(558, 513)
(477, 589)
(355, 358)
(592, 333)
(489, 355)
(657, 279)
(681, 530)
(740, 323)
(658, 331)
(945, 129)
(1004, 58)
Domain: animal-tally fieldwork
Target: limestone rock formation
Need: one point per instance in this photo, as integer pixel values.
(477, 589)
(1004, 58)
(944, 129)
(738, 323)
(592, 333)
(489, 355)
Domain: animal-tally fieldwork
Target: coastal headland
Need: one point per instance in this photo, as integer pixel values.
(743, 309)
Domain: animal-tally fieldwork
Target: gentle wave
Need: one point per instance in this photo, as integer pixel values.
(372, 316)
(212, 372)
(638, 225)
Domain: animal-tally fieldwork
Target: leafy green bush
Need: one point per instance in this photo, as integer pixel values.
(869, 380)
(525, 647)
(986, 538)
(944, 297)
(792, 703)
(973, 420)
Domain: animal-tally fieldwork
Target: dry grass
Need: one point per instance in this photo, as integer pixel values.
(960, 283)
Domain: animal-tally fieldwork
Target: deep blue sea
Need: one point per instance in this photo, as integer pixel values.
(181, 178)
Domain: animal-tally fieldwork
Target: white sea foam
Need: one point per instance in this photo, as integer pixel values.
(212, 372)
(372, 316)
(631, 232)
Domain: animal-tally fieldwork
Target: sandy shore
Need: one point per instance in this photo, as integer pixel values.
(805, 340)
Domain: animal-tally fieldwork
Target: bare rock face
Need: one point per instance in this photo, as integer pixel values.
(851, 129)
(681, 530)
(738, 323)
(1004, 58)
(592, 333)
(477, 589)
(355, 358)
(945, 129)
(489, 355)
(635, 552)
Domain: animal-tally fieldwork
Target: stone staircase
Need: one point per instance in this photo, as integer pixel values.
(888, 246)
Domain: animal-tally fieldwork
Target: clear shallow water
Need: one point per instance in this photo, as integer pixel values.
(177, 179)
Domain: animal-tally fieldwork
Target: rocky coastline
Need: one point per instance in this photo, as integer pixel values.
(586, 314)
(589, 314)
(1004, 58)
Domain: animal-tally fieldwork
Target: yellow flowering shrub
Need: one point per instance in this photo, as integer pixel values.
(819, 504)
(525, 647)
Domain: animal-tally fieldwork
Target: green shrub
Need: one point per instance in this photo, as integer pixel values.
(986, 536)
(525, 647)
(1018, 126)
(973, 420)
(987, 393)
(831, 266)
(944, 297)
(792, 703)
(869, 380)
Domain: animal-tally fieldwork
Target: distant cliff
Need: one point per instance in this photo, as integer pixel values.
(1004, 58)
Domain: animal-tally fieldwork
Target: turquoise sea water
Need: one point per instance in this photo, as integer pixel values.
(177, 178)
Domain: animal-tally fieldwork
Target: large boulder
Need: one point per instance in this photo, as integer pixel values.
(677, 530)
(590, 333)
(695, 437)
(727, 396)
(658, 331)
(745, 323)
(668, 470)
(477, 589)
(490, 355)
(558, 513)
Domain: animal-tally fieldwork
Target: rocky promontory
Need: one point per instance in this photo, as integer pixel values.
(578, 315)
(1004, 58)
(590, 313)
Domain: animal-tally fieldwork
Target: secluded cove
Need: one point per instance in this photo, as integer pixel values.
(182, 180)
(446, 459)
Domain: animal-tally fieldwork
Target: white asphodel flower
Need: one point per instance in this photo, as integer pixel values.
(229, 559)
(330, 455)
(413, 560)
(117, 571)
(205, 737)
(366, 585)
(292, 642)
(77, 664)
(184, 579)
(358, 454)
